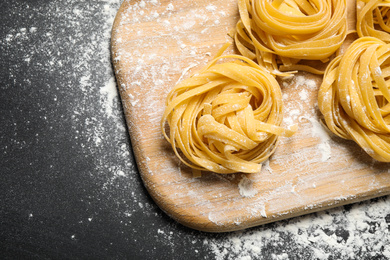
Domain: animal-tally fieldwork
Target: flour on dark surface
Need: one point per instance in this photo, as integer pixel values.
(69, 125)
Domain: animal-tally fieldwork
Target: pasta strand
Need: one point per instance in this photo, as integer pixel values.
(354, 97)
(281, 34)
(226, 118)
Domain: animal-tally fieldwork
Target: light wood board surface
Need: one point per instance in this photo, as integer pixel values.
(157, 43)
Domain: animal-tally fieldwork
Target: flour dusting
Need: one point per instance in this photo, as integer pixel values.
(320, 131)
(338, 233)
(246, 188)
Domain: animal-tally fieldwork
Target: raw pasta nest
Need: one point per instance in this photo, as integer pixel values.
(281, 33)
(354, 96)
(226, 118)
(373, 19)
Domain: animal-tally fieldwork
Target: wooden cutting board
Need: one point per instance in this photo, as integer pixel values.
(157, 43)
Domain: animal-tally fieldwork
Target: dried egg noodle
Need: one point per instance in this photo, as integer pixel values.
(281, 33)
(373, 19)
(226, 118)
(354, 96)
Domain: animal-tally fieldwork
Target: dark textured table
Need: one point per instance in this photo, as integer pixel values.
(69, 186)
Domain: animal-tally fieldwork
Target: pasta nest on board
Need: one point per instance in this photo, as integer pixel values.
(226, 118)
(278, 34)
(354, 96)
(373, 19)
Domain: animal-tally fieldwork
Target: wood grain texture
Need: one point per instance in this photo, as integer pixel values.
(157, 43)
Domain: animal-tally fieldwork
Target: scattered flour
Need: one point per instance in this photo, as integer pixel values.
(246, 188)
(110, 95)
(320, 131)
(301, 80)
(211, 8)
(337, 234)
(304, 95)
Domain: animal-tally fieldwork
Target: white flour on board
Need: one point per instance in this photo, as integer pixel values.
(295, 112)
(362, 228)
(246, 188)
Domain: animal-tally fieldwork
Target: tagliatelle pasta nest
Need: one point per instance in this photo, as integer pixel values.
(226, 118)
(354, 97)
(373, 19)
(278, 34)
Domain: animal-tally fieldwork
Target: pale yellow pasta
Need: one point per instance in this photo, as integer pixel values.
(226, 118)
(354, 96)
(373, 19)
(279, 34)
